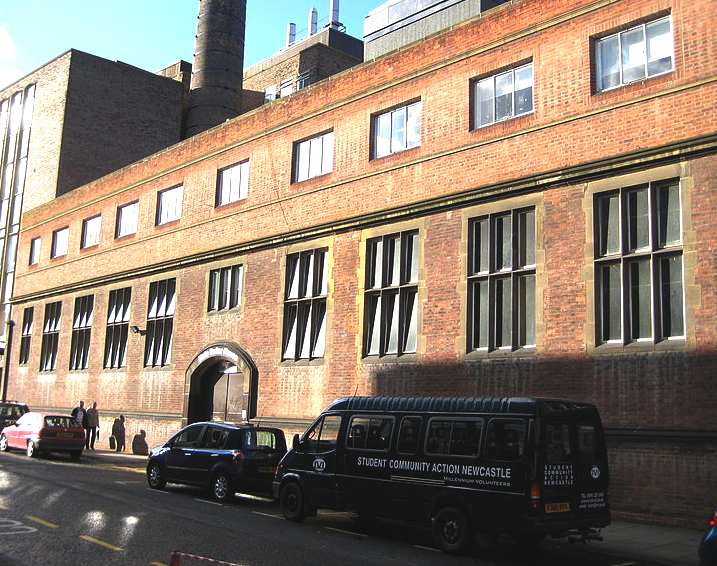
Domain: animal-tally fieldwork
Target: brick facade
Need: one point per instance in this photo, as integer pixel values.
(656, 400)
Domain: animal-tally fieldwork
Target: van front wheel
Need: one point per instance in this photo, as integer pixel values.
(292, 502)
(451, 530)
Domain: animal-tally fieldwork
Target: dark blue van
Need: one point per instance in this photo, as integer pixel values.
(527, 467)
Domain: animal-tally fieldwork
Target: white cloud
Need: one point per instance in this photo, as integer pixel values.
(8, 53)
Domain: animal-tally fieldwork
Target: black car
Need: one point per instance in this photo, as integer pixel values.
(10, 411)
(708, 546)
(221, 457)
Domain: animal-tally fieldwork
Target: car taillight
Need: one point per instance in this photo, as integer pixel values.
(535, 495)
(238, 456)
(713, 521)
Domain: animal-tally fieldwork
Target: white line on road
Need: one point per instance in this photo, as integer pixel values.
(267, 515)
(426, 548)
(157, 490)
(626, 564)
(207, 501)
(352, 533)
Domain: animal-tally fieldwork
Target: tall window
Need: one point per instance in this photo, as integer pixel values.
(91, 229)
(117, 328)
(634, 54)
(233, 183)
(501, 281)
(169, 205)
(503, 96)
(225, 287)
(27, 318)
(81, 332)
(127, 216)
(397, 130)
(638, 264)
(160, 323)
(60, 240)
(35, 246)
(391, 297)
(50, 336)
(314, 157)
(305, 305)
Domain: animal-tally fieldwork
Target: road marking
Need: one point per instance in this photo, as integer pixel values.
(125, 469)
(128, 482)
(426, 548)
(207, 501)
(267, 515)
(352, 533)
(157, 564)
(626, 564)
(157, 490)
(42, 522)
(102, 543)
(12, 527)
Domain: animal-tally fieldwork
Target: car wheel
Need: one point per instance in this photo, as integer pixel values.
(451, 530)
(291, 500)
(155, 476)
(3, 443)
(76, 454)
(221, 488)
(32, 451)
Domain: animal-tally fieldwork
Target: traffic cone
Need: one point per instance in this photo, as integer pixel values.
(174, 560)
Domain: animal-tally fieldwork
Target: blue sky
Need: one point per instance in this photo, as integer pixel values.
(147, 33)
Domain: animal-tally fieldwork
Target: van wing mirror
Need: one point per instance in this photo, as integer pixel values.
(295, 442)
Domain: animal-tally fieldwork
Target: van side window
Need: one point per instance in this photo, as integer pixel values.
(557, 441)
(587, 441)
(505, 439)
(215, 438)
(454, 437)
(408, 435)
(370, 433)
(324, 435)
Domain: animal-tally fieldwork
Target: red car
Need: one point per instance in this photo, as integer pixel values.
(39, 433)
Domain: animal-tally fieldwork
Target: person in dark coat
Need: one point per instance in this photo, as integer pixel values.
(139, 444)
(118, 432)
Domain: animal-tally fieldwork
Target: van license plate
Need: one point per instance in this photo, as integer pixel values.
(557, 507)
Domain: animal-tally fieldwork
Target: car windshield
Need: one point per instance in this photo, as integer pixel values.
(58, 422)
(13, 411)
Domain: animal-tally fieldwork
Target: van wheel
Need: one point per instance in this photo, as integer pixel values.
(3, 443)
(450, 530)
(292, 502)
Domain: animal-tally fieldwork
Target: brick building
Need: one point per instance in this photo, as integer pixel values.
(520, 204)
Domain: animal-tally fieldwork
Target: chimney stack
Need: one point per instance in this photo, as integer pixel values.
(334, 11)
(217, 72)
(313, 21)
(290, 34)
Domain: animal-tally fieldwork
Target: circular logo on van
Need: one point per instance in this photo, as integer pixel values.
(595, 472)
(319, 465)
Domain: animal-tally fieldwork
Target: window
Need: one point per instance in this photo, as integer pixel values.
(169, 205)
(391, 296)
(225, 287)
(323, 436)
(81, 331)
(60, 240)
(215, 438)
(117, 328)
(305, 305)
(501, 281)
(635, 54)
(454, 437)
(189, 438)
(505, 439)
(233, 183)
(270, 93)
(286, 88)
(314, 157)
(408, 436)
(370, 433)
(50, 336)
(127, 216)
(262, 439)
(160, 322)
(558, 449)
(397, 130)
(638, 264)
(503, 96)
(91, 229)
(35, 245)
(27, 317)
(304, 79)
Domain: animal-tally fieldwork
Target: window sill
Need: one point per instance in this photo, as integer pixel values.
(168, 368)
(125, 237)
(500, 354)
(88, 249)
(512, 120)
(78, 371)
(232, 311)
(115, 370)
(411, 358)
(395, 154)
(631, 85)
(221, 208)
(58, 257)
(300, 363)
(676, 345)
(310, 179)
(169, 224)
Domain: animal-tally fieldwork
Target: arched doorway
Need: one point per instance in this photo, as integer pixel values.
(220, 384)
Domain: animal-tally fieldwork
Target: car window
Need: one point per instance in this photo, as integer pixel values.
(505, 439)
(189, 438)
(557, 443)
(265, 439)
(454, 437)
(587, 442)
(215, 438)
(59, 422)
(408, 435)
(12, 411)
(323, 436)
(370, 433)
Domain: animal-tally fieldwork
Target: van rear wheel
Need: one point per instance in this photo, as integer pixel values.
(292, 502)
(451, 530)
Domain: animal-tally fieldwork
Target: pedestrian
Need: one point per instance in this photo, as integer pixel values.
(78, 413)
(139, 444)
(93, 425)
(118, 432)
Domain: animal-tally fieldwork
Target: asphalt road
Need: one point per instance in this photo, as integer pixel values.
(54, 512)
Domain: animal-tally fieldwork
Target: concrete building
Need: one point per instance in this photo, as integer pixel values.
(505, 207)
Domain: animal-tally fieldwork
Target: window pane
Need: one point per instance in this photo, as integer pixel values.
(439, 437)
(127, 219)
(315, 160)
(398, 130)
(413, 130)
(505, 439)
(292, 272)
(640, 299)
(408, 435)
(524, 89)
(392, 248)
(610, 302)
(659, 47)
(373, 316)
(465, 438)
(608, 57)
(669, 228)
(383, 134)
(409, 308)
(327, 157)
(289, 331)
(503, 315)
(302, 161)
(503, 96)
(409, 251)
(503, 242)
(480, 314)
(526, 238)
(318, 330)
(390, 313)
(609, 224)
(377, 257)
(244, 180)
(526, 310)
(639, 219)
(671, 296)
(481, 245)
(633, 55)
(485, 102)
(303, 337)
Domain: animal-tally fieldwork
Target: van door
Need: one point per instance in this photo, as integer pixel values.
(316, 458)
(592, 467)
